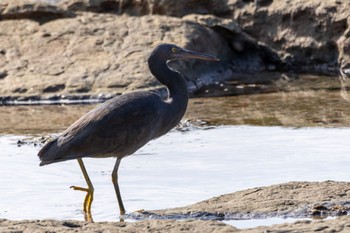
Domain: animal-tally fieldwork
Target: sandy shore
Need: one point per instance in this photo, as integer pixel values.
(293, 199)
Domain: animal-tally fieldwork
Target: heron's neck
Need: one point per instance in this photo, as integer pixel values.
(173, 80)
(177, 89)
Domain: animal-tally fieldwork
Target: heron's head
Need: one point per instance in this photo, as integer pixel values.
(170, 52)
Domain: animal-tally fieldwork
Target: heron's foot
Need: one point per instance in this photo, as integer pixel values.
(79, 188)
(87, 202)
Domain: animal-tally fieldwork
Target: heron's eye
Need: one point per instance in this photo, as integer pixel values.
(173, 50)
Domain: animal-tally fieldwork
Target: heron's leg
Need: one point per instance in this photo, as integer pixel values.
(116, 186)
(89, 192)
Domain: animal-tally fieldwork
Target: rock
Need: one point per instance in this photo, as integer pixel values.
(176, 8)
(304, 32)
(40, 11)
(94, 53)
(83, 47)
(246, 53)
(306, 226)
(344, 53)
(293, 199)
(171, 226)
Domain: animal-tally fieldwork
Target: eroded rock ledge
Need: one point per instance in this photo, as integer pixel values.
(293, 199)
(55, 49)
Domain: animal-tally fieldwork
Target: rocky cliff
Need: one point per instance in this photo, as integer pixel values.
(98, 48)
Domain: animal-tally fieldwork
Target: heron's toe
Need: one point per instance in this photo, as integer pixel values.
(79, 188)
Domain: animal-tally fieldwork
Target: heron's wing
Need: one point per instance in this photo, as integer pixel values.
(117, 128)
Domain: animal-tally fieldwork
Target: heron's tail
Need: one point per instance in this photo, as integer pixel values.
(47, 154)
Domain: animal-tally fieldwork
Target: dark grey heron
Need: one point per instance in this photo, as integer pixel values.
(122, 125)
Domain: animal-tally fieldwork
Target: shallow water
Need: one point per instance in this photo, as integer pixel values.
(178, 169)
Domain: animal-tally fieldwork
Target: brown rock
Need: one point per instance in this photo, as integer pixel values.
(93, 53)
(99, 53)
(176, 8)
(344, 53)
(171, 226)
(336, 225)
(40, 11)
(304, 33)
(294, 198)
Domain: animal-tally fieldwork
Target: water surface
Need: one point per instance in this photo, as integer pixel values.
(178, 169)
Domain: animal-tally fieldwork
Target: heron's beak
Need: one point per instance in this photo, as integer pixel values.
(197, 55)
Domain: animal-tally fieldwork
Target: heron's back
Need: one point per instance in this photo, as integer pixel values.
(116, 128)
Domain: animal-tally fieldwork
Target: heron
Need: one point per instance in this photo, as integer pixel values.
(122, 125)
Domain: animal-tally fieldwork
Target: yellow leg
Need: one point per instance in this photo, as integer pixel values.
(89, 193)
(116, 187)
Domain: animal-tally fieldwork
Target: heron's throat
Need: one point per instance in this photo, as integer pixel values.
(173, 80)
